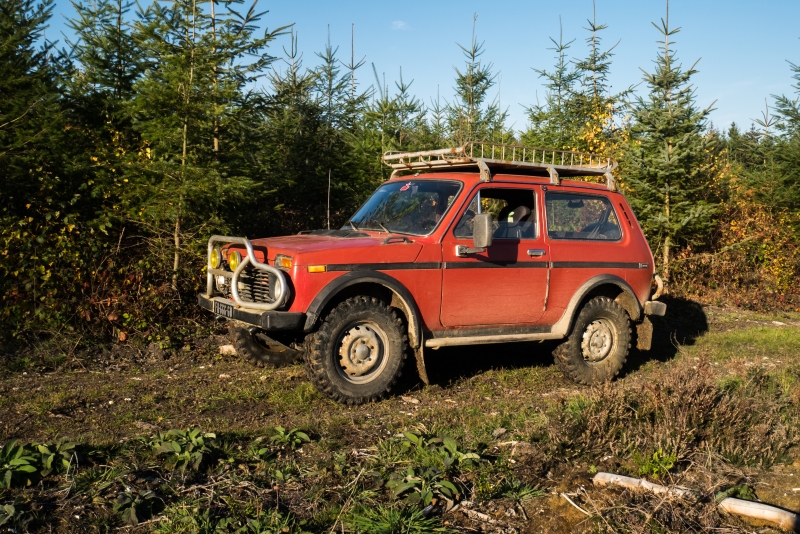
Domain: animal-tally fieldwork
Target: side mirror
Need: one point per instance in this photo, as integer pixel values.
(482, 230)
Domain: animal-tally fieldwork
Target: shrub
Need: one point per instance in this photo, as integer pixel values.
(185, 448)
(17, 465)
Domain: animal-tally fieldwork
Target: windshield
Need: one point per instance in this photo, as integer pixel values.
(413, 207)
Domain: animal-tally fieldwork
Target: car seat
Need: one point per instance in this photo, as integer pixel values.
(520, 226)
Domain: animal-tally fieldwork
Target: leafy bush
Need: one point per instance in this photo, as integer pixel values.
(14, 518)
(17, 465)
(292, 439)
(55, 457)
(441, 452)
(654, 465)
(134, 505)
(421, 486)
(185, 448)
(435, 462)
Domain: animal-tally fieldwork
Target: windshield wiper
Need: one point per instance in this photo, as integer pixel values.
(382, 226)
(353, 225)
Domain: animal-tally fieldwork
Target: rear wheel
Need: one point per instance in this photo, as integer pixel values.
(255, 347)
(598, 345)
(358, 353)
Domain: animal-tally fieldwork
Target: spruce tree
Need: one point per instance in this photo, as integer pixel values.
(595, 105)
(192, 108)
(38, 209)
(787, 148)
(472, 116)
(666, 163)
(579, 111)
(789, 108)
(556, 122)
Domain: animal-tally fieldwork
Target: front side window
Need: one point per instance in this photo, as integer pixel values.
(513, 213)
(575, 216)
(414, 207)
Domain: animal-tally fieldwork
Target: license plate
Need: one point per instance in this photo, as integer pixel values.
(223, 310)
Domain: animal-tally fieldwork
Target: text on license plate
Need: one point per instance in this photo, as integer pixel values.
(223, 310)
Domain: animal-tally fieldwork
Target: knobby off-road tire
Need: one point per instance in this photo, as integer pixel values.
(249, 347)
(358, 353)
(598, 345)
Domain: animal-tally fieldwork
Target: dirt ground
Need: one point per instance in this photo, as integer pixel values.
(491, 397)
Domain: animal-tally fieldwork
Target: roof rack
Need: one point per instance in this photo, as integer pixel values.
(491, 157)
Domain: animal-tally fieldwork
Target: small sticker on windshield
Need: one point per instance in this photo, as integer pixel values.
(406, 187)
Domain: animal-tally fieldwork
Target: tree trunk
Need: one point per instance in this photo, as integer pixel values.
(177, 259)
(665, 260)
(214, 68)
(667, 241)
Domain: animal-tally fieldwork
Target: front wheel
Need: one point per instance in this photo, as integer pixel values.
(598, 345)
(358, 353)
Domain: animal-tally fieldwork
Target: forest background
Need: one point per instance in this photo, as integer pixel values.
(124, 150)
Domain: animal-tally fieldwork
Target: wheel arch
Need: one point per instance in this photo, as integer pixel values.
(608, 285)
(372, 283)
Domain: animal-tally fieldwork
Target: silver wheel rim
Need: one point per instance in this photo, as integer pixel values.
(599, 341)
(362, 352)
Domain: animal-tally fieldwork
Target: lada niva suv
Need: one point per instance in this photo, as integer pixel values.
(484, 243)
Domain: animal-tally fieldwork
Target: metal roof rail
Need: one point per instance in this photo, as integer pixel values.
(492, 157)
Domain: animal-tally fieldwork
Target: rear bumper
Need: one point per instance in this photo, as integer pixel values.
(654, 307)
(266, 320)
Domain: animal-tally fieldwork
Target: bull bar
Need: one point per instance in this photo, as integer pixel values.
(249, 259)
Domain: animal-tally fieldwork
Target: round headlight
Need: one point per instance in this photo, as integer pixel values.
(234, 259)
(278, 291)
(215, 259)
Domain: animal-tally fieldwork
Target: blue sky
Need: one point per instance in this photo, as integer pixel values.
(743, 45)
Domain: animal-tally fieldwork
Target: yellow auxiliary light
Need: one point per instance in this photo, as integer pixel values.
(215, 259)
(284, 262)
(234, 259)
(317, 268)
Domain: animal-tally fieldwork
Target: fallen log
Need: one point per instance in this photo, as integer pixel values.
(784, 519)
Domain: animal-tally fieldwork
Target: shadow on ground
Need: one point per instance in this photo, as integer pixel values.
(684, 323)
(449, 364)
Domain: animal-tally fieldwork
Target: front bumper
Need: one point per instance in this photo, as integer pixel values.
(266, 320)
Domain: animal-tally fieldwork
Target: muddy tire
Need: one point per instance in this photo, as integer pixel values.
(251, 348)
(598, 345)
(358, 353)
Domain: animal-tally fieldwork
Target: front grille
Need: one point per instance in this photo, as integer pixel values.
(254, 286)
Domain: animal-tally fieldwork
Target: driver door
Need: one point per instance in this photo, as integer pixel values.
(507, 284)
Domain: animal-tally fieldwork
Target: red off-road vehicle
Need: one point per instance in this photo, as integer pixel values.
(484, 243)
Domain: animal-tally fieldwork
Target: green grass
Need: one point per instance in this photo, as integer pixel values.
(750, 343)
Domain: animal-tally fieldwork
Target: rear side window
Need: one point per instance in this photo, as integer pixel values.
(576, 216)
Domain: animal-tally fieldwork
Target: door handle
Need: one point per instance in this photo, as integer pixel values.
(462, 251)
(536, 252)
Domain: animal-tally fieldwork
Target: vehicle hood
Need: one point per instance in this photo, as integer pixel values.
(323, 249)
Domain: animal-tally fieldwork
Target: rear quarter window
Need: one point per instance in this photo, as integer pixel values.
(579, 216)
